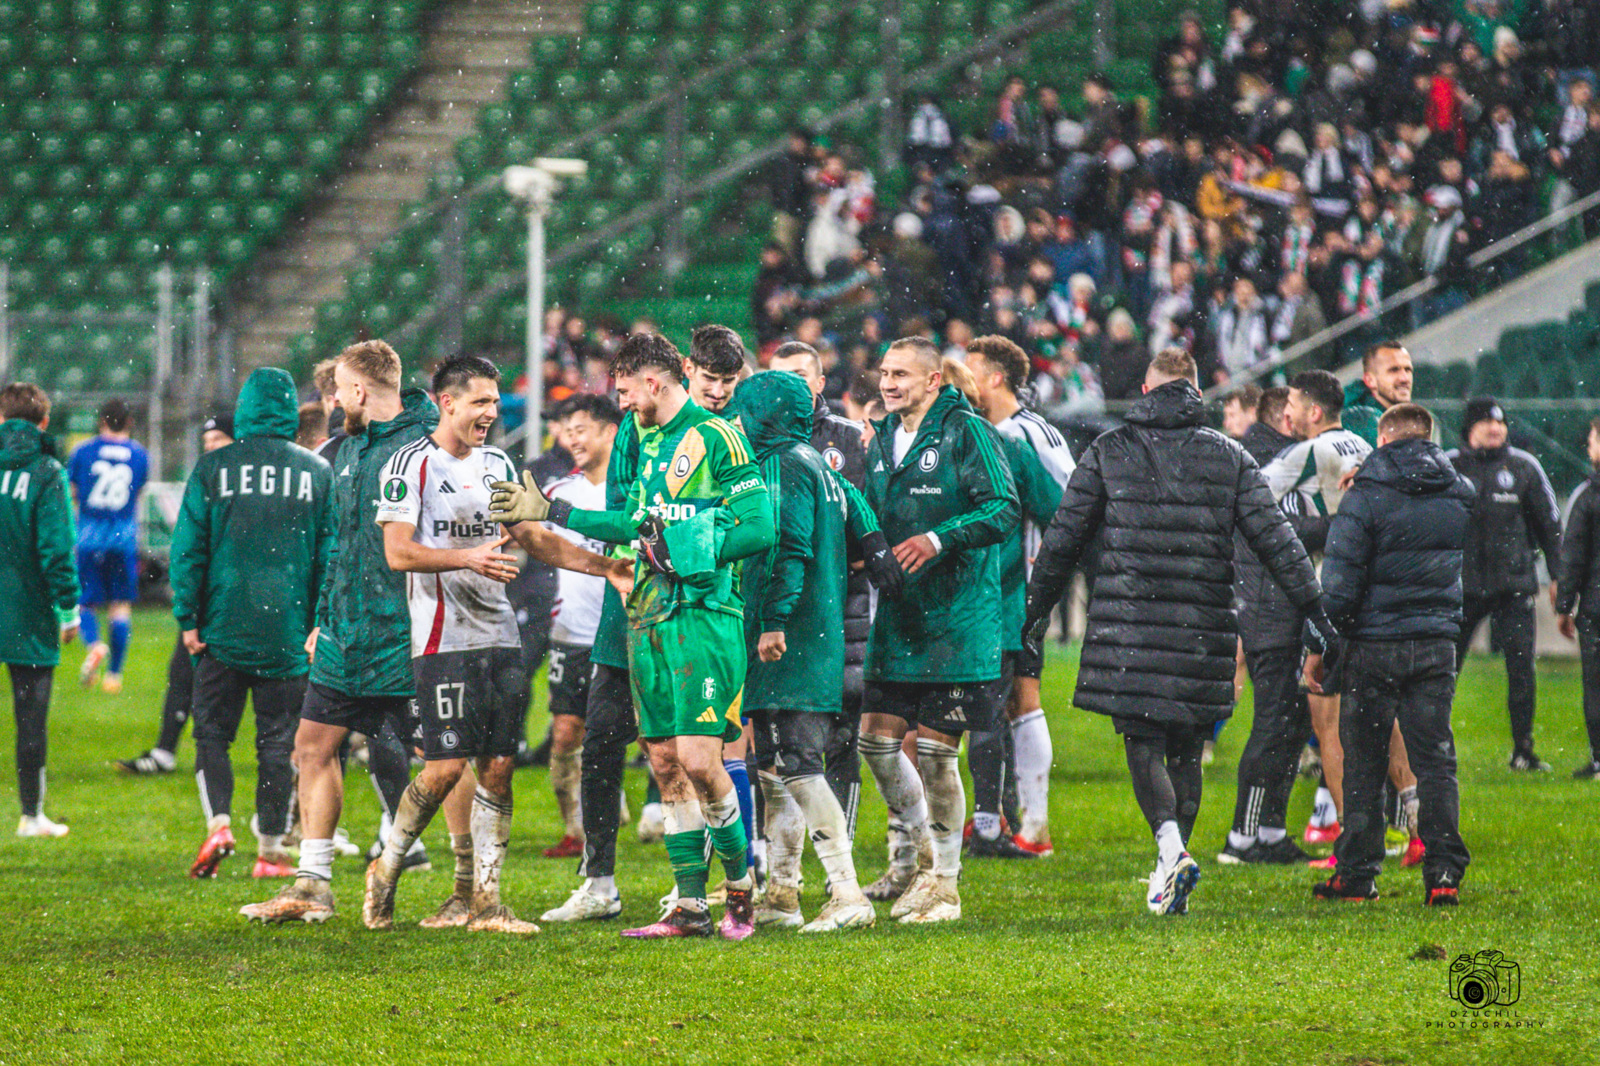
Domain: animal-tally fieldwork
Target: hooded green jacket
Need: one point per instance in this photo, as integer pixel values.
(954, 482)
(1039, 495)
(1361, 412)
(38, 567)
(797, 587)
(251, 546)
(365, 645)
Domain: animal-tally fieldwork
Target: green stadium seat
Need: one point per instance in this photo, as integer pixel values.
(314, 15)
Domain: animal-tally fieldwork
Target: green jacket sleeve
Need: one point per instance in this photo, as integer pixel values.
(191, 553)
(327, 535)
(797, 521)
(989, 488)
(1038, 493)
(615, 527)
(57, 541)
(858, 517)
(747, 523)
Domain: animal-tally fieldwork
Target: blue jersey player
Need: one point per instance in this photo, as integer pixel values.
(107, 474)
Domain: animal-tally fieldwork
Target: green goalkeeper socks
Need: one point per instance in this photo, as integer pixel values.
(727, 835)
(687, 853)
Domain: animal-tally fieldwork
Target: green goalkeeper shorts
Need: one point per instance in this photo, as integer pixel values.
(687, 673)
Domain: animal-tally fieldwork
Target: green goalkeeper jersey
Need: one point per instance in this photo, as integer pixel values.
(696, 474)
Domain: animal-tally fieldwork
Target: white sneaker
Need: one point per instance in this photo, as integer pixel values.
(840, 914)
(38, 825)
(1168, 891)
(917, 896)
(584, 906)
(342, 845)
(652, 826)
(943, 903)
(780, 907)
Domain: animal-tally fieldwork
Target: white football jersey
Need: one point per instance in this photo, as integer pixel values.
(576, 616)
(1051, 448)
(447, 499)
(1314, 467)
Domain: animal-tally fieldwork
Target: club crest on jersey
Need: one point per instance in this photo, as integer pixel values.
(929, 460)
(684, 462)
(449, 740)
(394, 490)
(1505, 479)
(710, 688)
(834, 458)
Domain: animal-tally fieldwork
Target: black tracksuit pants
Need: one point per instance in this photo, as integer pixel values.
(1589, 649)
(30, 704)
(1511, 629)
(609, 727)
(179, 698)
(219, 695)
(1277, 733)
(1414, 681)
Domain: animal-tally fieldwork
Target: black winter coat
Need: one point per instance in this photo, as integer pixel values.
(1515, 514)
(1578, 580)
(1392, 568)
(1165, 494)
(838, 440)
(1267, 618)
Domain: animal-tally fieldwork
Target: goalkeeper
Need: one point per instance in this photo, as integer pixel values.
(697, 506)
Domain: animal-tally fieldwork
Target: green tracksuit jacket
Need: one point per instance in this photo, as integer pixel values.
(38, 566)
(251, 546)
(365, 645)
(954, 482)
(797, 587)
(611, 638)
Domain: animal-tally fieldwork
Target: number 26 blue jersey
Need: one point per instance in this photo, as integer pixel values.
(107, 476)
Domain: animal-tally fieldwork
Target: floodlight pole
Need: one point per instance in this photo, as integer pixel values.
(538, 208)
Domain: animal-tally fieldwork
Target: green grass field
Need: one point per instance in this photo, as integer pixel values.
(109, 954)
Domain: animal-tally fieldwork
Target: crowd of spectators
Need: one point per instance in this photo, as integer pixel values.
(1317, 159)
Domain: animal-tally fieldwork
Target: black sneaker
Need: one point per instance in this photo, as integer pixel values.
(1232, 856)
(1345, 888)
(1443, 890)
(1588, 771)
(145, 764)
(680, 921)
(1001, 847)
(1524, 759)
(1281, 852)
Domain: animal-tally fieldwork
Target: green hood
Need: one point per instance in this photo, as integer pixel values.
(21, 442)
(268, 406)
(774, 408)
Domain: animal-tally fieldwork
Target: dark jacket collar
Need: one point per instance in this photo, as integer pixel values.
(1171, 406)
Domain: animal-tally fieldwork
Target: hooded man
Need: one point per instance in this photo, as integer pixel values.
(248, 557)
(38, 584)
(795, 595)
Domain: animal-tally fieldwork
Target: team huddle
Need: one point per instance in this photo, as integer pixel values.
(747, 578)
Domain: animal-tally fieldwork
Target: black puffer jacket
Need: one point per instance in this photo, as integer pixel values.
(1515, 514)
(1166, 494)
(1392, 569)
(1267, 618)
(1578, 582)
(839, 441)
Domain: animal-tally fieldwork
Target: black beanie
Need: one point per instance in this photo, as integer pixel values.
(222, 421)
(1480, 409)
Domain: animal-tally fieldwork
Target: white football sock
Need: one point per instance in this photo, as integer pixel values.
(786, 827)
(603, 887)
(316, 859)
(986, 825)
(418, 805)
(830, 833)
(1030, 739)
(1239, 840)
(461, 850)
(566, 771)
(1323, 812)
(491, 832)
(1170, 843)
(939, 764)
(1271, 834)
(901, 787)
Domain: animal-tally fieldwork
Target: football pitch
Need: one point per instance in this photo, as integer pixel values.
(109, 954)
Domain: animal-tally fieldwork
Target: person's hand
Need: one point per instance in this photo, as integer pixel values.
(487, 561)
(192, 642)
(621, 577)
(883, 569)
(311, 643)
(653, 544)
(1348, 478)
(915, 553)
(1568, 628)
(511, 503)
(69, 633)
(1553, 595)
(1313, 673)
(771, 646)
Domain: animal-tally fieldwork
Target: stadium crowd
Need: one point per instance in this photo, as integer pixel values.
(1316, 160)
